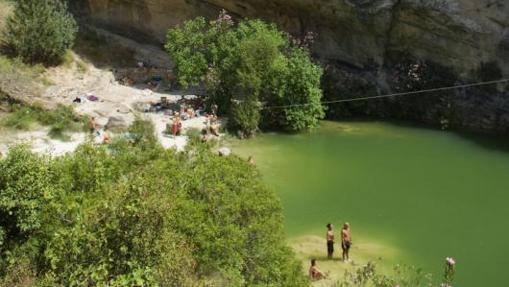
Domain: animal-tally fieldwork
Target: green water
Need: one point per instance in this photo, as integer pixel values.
(428, 193)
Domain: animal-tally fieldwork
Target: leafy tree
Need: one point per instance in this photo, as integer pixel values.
(245, 116)
(40, 31)
(134, 214)
(247, 67)
(297, 92)
(189, 46)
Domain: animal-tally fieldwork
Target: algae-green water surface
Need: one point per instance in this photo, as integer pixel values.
(428, 193)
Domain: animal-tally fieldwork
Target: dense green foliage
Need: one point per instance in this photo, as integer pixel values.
(247, 68)
(40, 31)
(134, 214)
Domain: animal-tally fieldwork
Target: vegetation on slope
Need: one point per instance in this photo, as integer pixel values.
(246, 67)
(40, 31)
(20, 81)
(60, 119)
(135, 214)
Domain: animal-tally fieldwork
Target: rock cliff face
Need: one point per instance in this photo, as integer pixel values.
(360, 37)
(457, 33)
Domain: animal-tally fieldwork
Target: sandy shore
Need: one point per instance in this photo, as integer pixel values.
(314, 247)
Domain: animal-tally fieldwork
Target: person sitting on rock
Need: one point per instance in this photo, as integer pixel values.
(315, 273)
(92, 125)
(190, 113)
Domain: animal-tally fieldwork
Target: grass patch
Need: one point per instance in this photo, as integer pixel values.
(81, 66)
(59, 120)
(15, 64)
(67, 59)
(15, 73)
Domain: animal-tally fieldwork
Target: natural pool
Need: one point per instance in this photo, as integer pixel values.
(429, 193)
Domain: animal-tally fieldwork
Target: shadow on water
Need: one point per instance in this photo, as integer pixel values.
(490, 141)
(487, 141)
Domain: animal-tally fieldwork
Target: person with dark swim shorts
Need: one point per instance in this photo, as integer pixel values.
(346, 241)
(330, 241)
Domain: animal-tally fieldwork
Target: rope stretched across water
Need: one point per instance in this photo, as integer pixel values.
(395, 94)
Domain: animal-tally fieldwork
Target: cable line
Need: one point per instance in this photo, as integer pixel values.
(395, 94)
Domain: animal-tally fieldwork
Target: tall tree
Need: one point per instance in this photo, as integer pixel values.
(40, 31)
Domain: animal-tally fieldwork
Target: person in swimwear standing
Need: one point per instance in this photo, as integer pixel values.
(330, 241)
(346, 241)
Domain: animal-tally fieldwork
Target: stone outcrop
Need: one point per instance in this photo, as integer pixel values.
(362, 39)
(457, 33)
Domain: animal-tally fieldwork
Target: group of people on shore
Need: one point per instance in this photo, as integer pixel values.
(211, 121)
(346, 242)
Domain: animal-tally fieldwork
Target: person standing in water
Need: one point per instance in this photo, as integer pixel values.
(330, 241)
(346, 241)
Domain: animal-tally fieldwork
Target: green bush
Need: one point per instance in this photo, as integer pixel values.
(130, 215)
(20, 274)
(402, 275)
(299, 85)
(25, 187)
(245, 116)
(247, 67)
(40, 31)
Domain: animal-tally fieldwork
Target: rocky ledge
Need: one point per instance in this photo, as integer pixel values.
(364, 41)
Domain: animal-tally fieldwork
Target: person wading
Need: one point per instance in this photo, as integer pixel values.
(346, 241)
(330, 241)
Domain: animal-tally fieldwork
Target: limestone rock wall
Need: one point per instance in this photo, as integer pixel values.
(361, 41)
(456, 33)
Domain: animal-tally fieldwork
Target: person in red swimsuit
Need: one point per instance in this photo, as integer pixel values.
(176, 126)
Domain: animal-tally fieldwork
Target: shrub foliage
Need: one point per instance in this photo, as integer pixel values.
(134, 214)
(60, 119)
(40, 31)
(247, 68)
